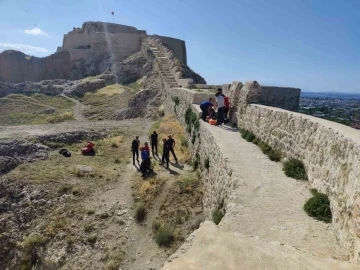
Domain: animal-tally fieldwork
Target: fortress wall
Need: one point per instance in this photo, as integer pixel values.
(186, 97)
(177, 46)
(281, 97)
(330, 152)
(17, 67)
(218, 180)
(122, 44)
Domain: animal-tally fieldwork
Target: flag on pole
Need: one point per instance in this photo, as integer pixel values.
(112, 13)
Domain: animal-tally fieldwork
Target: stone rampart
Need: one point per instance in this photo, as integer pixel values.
(281, 97)
(330, 152)
(17, 67)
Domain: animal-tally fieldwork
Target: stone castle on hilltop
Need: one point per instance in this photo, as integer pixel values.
(86, 51)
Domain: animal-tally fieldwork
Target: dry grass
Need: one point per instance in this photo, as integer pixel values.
(145, 191)
(170, 126)
(106, 101)
(63, 171)
(17, 109)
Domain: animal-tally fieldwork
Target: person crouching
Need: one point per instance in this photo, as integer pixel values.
(145, 161)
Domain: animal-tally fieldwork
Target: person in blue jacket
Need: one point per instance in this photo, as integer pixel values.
(145, 161)
(205, 106)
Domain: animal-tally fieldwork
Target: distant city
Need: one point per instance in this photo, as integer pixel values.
(343, 108)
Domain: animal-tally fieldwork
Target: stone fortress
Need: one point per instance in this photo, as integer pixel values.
(86, 51)
(239, 176)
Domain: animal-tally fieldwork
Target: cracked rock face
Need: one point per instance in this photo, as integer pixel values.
(14, 152)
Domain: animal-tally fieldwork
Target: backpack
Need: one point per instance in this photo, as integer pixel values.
(226, 101)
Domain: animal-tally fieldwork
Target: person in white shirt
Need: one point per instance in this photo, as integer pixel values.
(220, 103)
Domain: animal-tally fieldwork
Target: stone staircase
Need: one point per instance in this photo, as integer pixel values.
(164, 65)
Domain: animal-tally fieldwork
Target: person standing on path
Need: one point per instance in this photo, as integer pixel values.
(145, 161)
(154, 143)
(170, 145)
(135, 149)
(227, 108)
(205, 107)
(220, 103)
(165, 155)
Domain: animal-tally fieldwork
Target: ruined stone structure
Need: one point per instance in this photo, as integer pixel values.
(15, 66)
(86, 51)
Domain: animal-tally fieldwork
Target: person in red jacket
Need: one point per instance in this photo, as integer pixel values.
(227, 108)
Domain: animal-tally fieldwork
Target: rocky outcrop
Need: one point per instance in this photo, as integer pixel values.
(17, 67)
(14, 152)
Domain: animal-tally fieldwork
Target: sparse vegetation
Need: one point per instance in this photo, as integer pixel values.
(273, 154)
(92, 238)
(164, 237)
(295, 168)
(196, 162)
(30, 250)
(176, 100)
(217, 216)
(184, 142)
(18, 109)
(188, 183)
(64, 189)
(318, 206)
(193, 138)
(140, 212)
(105, 102)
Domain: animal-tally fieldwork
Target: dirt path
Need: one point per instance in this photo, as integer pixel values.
(268, 204)
(78, 109)
(123, 231)
(25, 131)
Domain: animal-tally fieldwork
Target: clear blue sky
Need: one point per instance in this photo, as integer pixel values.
(311, 44)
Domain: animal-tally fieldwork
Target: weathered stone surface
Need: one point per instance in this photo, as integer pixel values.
(14, 152)
(233, 92)
(281, 97)
(70, 137)
(330, 152)
(86, 86)
(17, 67)
(211, 248)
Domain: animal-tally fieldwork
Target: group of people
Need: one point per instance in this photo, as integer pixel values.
(145, 166)
(208, 109)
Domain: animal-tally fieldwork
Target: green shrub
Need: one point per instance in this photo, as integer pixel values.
(318, 207)
(264, 147)
(196, 124)
(184, 142)
(295, 168)
(176, 100)
(207, 163)
(63, 189)
(187, 115)
(274, 155)
(140, 212)
(156, 225)
(196, 162)
(117, 161)
(92, 238)
(217, 216)
(188, 128)
(30, 248)
(164, 237)
(193, 138)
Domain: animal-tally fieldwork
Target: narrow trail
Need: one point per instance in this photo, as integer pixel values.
(268, 204)
(78, 109)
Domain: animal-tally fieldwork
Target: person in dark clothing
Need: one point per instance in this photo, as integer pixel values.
(135, 149)
(165, 155)
(154, 143)
(205, 106)
(170, 145)
(145, 161)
